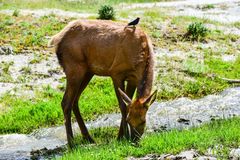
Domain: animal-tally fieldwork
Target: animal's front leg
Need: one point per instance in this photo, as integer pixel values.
(123, 130)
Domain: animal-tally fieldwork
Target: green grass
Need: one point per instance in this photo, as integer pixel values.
(4, 71)
(237, 25)
(197, 31)
(225, 69)
(216, 133)
(23, 115)
(206, 7)
(191, 77)
(79, 6)
(27, 32)
(195, 79)
(174, 85)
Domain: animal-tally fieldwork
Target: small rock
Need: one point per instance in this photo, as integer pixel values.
(187, 155)
(169, 157)
(147, 157)
(214, 151)
(215, 117)
(206, 158)
(164, 156)
(6, 50)
(183, 120)
(235, 154)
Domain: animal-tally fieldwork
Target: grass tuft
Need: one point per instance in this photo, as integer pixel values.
(106, 12)
(196, 31)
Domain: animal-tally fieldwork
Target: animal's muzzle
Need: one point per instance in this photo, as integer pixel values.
(134, 135)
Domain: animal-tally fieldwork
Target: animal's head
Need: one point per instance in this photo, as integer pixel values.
(136, 113)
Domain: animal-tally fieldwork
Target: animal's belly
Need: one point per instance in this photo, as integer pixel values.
(109, 69)
(100, 70)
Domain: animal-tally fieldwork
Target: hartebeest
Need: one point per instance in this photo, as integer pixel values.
(93, 47)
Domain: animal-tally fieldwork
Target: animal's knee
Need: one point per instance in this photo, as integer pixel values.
(66, 107)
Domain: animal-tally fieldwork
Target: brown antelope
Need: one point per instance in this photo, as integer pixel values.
(93, 47)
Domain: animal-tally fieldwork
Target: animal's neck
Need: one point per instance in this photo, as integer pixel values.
(145, 86)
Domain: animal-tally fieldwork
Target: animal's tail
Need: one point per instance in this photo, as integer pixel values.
(51, 42)
(56, 39)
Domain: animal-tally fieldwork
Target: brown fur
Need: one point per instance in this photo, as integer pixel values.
(85, 48)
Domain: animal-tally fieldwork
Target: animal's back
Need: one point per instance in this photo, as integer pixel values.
(104, 46)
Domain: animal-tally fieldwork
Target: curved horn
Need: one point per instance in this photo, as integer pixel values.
(151, 99)
(124, 96)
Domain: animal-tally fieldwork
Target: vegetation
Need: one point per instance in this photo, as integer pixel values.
(4, 71)
(220, 135)
(79, 6)
(5, 66)
(24, 114)
(106, 12)
(27, 32)
(196, 31)
(16, 12)
(237, 24)
(206, 7)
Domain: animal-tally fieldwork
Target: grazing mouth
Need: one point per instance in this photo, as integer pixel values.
(134, 135)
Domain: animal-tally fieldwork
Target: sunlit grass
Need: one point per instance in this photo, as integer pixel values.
(224, 133)
(24, 115)
(27, 32)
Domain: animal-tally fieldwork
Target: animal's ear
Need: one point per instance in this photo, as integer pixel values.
(150, 99)
(125, 98)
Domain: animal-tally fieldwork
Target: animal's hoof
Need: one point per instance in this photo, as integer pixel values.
(119, 138)
(71, 145)
(123, 137)
(89, 140)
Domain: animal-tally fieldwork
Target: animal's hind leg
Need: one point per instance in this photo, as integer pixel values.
(76, 111)
(74, 77)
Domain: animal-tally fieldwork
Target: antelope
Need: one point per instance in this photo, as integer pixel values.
(85, 48)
